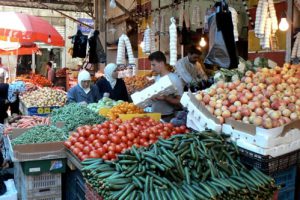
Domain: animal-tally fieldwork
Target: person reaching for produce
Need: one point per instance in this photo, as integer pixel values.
(50, 72)
(189, 69)
(111, 86)
(83, 92)
(9, 97)
(166, 105)
(4, 77)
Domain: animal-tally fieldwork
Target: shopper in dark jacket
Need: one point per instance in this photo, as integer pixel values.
(9, 97)
(111, 86)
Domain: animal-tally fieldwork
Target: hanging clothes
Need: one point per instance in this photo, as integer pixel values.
(80, 44)
(96, 51)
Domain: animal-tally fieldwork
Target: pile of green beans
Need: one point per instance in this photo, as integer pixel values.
(41, 134)
(75, 115)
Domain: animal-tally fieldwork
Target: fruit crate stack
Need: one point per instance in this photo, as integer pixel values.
(282, 168)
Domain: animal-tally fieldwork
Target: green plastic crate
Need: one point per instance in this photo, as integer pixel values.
(43, 166)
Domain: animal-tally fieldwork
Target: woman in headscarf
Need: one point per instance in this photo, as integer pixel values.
(9, 97)
(111, 86)
(84, 92)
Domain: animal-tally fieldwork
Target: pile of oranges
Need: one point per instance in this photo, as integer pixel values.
(123, 108)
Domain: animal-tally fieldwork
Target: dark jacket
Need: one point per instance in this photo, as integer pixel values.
(80, 43)
(76, 94)
(96, 51)
(3, 105)
(118, 93)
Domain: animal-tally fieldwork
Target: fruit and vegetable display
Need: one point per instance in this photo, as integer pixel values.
(123, 108)
(40, 134)
(190, 166)
(268, 98)
(137, 83)
(35, 79)
(105, 102)
(30, 87)
(110, 138)
(44, 97)
(61, 72)
(27, 122)
(74, 115)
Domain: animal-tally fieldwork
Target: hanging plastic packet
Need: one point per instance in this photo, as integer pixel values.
(112, 4)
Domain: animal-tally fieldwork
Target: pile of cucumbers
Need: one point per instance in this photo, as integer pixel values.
(192, 166)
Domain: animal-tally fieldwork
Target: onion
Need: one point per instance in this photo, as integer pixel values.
(206, 99)
(218, 112)
(258, 121)
(232, 109)
(294, 116)
(286, 112)
(237, 115)
(212, 104)
(275, 115)
(226, 114)
(259, 111)
(221, 119)
(267, 123)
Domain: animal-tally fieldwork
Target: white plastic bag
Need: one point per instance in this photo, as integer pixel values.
(112, 4)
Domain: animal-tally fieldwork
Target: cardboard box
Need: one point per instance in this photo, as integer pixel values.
(31, 152)
(265, 138)
(164, 86)
(155, 116)
(200, 116)
(37, 111)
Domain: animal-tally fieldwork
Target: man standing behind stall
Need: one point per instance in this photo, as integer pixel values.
(3, 73)
(50, 72)
(189, 68)
(166, 105)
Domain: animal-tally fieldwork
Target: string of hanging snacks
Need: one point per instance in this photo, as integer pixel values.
(147, 40)
(296, 47)
(297, 4)
(266, 23)
(123, 43)
(173, 42)
(245, 4)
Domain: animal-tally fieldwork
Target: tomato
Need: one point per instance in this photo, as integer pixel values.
(76, 151)
(118, 148)
(105, 147)
(80, 154)
(122, 128)
(129, 143)
(183, 128)
(94, 154)
(142, 141)
(81, 132)
(68, 144)
(166, 129)
(136, 140)
(124, 139)
(78, 145)
(104, 131)
(72, 140)
(95, 130)
(119, 121)
(130, 136)
(72, 148)
(101, 151)
(81, 139)
(115, 139)
(146, 144)
(98, 145)
(144, 134)
(105, 157)
(120, 133)
(86, 149)
(111, 155)
(84, 157)
(103, 138)
(112, 147)
(75, 134)
(86, 143)
(87, 132)
(123, 145)
(152, 136)
(91, 138)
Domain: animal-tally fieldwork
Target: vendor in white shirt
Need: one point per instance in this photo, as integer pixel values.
(166, 105)
(189, 68)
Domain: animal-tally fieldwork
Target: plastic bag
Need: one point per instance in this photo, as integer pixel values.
(112, 4)
(218, 54)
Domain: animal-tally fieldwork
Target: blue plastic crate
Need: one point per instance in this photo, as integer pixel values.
(40, 111)
(287, 194)
(287, 180)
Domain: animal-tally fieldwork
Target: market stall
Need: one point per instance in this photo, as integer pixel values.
(203, 120)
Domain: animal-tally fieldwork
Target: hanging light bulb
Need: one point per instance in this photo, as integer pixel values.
(142, 44)
(49, 39)
(284, 24)
(202, 42)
